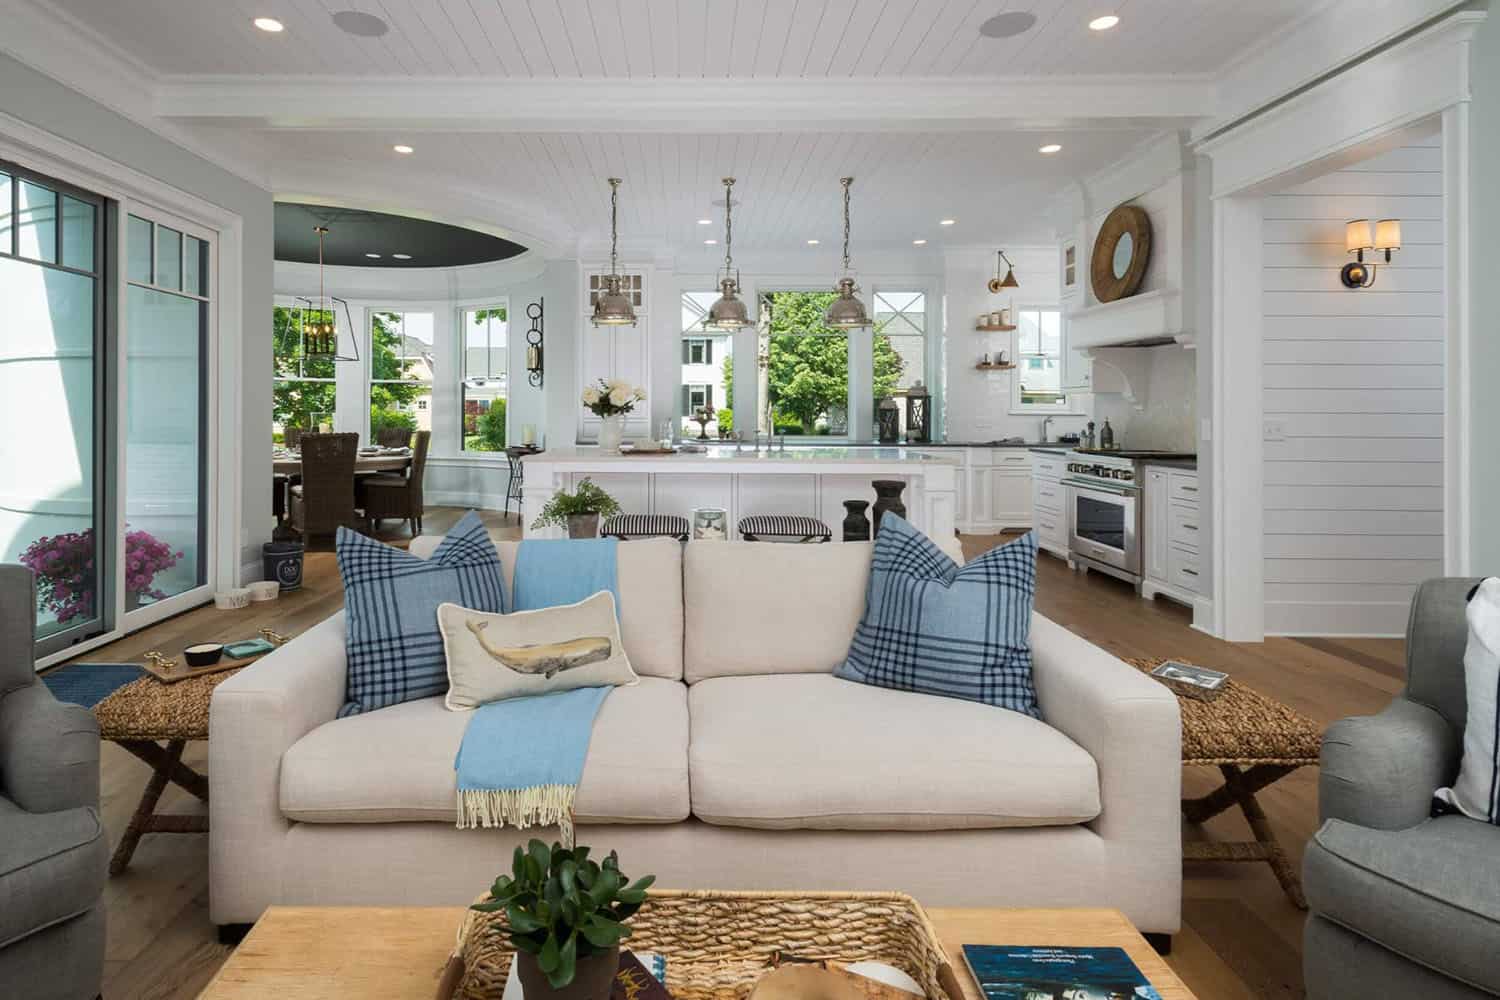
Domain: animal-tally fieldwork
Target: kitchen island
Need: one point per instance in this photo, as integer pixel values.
(808, 480)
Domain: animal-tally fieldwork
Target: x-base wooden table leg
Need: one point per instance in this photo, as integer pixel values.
(166, 765)
(1239, 788)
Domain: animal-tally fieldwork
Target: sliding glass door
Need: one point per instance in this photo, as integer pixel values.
(53, 511)
(165, 337)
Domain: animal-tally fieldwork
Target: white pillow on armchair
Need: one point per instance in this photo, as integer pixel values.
(1476, 793)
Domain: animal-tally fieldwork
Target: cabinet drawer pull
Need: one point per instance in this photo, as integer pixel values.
(1190, 572)
(1188, 489)
(1189, 527)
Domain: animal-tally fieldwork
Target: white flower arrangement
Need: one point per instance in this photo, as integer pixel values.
(612, 396)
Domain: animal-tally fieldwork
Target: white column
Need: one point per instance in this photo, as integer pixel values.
(1458, 368)
(1238, 474)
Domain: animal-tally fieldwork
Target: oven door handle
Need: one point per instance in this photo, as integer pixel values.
(1081, 484)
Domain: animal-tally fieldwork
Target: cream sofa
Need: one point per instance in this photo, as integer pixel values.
(738, 762)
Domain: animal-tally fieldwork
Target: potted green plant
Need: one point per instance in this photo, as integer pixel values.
(565, 914)
(578, 512)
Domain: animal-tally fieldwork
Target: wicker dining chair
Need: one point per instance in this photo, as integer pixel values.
(393, 437)
(292, 437)
(397, 495)
(325, 498)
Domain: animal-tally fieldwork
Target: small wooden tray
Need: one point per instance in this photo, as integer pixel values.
(170, 671)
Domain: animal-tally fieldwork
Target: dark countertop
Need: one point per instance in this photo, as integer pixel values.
(1047, 446)
(1051, 449)
(1174, 463)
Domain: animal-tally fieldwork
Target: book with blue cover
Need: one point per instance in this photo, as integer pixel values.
(1006, 972)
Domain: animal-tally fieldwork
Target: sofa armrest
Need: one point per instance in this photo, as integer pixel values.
(49, 751)
(1379, 771)
(254, 718)
(1128, 722)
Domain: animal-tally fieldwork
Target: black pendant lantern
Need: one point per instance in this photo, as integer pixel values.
(918, 414)
(888, 415)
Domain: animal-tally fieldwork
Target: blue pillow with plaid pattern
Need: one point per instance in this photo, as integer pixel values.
(391, 599)
(935, 627)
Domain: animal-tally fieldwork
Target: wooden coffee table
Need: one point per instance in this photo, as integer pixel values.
(398, 953)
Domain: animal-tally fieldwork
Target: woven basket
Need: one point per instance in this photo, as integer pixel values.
(718, 944)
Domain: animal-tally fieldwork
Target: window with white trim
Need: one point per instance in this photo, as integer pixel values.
(1036, 346)
(486, 377)
(706, 367)
(401, 371)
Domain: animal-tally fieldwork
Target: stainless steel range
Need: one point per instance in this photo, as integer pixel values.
(1104, 508)
(1104, 513)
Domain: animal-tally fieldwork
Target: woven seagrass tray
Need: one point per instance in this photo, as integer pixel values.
(718, 944)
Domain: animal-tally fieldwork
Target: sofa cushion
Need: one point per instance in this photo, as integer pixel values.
(735, 592)
(1430, 893)
(649, 574)
(396, 765)
(811, 751)
(51, 867)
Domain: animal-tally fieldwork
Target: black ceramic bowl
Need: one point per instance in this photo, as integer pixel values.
(204, 654)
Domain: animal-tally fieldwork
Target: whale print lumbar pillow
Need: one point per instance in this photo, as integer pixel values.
(1476, 793)
(494, 657)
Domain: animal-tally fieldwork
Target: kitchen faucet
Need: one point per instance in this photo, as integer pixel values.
(1045, 422)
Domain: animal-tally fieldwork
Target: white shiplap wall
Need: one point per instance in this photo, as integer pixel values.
(1353, 400)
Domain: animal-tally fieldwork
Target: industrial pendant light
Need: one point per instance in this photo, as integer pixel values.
(728, 313)
(612, 306)
(320, 341)
(1009, 281)
(846, 312)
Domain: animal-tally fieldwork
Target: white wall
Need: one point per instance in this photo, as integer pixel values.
(1169, 420)
(1353, 400)
(979, 402)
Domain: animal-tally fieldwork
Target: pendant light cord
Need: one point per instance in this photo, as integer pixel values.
(847, 181)
(614, 222)
(728, 226)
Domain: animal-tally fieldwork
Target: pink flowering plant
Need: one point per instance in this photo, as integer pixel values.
(64, 568)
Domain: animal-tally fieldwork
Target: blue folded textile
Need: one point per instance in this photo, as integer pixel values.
(521, 759)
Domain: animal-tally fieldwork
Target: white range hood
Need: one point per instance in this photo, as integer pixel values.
(1148, 319)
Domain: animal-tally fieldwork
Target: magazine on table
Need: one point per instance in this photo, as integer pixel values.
(1028, 972)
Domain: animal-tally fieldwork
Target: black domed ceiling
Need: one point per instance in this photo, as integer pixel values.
(353, 234)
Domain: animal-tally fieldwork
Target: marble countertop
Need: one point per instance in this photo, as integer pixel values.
(721, 457)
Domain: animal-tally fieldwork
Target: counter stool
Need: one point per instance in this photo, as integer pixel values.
(784, 527)
(628, 526)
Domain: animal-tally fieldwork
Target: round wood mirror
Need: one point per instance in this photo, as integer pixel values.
(1121, 253)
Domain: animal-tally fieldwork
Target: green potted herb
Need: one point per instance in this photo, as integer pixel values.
(566, 917)
(578, 512)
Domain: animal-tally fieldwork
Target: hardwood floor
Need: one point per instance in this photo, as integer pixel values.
(1241, 938)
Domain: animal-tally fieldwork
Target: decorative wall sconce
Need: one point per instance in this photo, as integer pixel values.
(534, 344)
(997, 283)
(1359, 236)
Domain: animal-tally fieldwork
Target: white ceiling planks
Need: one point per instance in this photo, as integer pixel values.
(661, 39)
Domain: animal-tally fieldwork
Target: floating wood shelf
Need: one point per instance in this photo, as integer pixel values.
(994, 368)
(1002, 328)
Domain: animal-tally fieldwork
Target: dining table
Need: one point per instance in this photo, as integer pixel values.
(289, 463)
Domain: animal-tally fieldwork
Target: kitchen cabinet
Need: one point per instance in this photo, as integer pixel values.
(1010, 497)
(1077, 367)
(1171, 556)
(994, 491)
(1049, 503)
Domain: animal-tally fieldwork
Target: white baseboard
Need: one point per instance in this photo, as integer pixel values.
(1337, 618)
(461, 498)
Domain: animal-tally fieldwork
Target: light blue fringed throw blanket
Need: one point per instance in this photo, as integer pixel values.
(521, 759)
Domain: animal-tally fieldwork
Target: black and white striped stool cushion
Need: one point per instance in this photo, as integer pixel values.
(646, 526)
(797, 526)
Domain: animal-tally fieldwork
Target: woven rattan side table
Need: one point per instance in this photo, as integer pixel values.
(1254, 741)
(154, 721)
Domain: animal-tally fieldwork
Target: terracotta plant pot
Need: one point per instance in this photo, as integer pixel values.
(592, 977)
(583, 525)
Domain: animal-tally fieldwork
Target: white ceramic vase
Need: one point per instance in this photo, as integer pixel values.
(611, 432)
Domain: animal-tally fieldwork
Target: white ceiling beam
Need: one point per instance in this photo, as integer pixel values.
(729, 105)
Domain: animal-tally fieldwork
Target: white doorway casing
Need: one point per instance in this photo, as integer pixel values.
(1370, 107)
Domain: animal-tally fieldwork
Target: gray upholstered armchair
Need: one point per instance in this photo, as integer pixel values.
(53, 850)
(1400, 904)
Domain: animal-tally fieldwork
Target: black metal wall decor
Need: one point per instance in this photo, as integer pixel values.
(534, 343)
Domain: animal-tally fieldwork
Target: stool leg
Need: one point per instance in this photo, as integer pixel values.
(141, 820)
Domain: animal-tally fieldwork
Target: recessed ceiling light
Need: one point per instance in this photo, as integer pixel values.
(709, 243)
(1008, 25)
(268, 24)
(946, 222)
(705, 222)
(403, 148)
(812, 243)
(373, 256)
(1049, 149)
(357, 22)
(401, 256)
(919, 243)
(1104, 23)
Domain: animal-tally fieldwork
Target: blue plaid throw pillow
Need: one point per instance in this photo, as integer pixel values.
(390, 600)
(938, 628)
